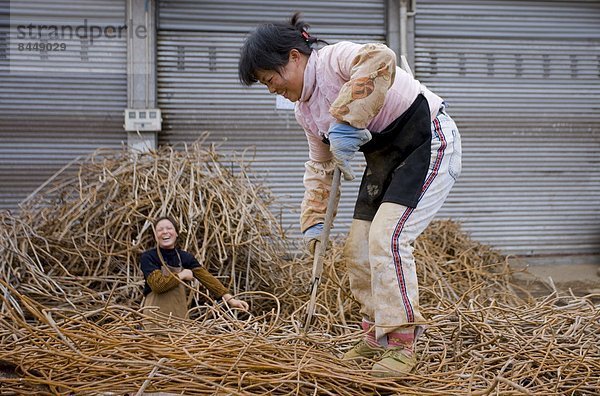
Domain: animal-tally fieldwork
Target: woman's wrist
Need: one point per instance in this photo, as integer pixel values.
(226, 297)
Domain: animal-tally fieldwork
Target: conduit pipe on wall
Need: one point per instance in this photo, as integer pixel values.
(398, 14)
(403, 23)
(393, 26)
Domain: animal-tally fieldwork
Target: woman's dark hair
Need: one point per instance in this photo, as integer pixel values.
(268, 47)
(167, 218)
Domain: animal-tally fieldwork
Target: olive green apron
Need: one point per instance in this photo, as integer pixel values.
(172, 303)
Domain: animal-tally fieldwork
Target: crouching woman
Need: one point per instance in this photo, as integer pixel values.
(165, 270)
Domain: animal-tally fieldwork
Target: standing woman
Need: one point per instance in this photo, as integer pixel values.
(165, 268)
(352, 97)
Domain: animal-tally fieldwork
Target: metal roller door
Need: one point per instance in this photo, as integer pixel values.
(59, 104)
(523, 82)
(199, 90)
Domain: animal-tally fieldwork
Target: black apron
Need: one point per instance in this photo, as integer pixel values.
(397, 162)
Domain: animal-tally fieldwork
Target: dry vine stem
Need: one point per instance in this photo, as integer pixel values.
(71, 287)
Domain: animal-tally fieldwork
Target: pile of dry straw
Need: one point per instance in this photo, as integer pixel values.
(71, 289)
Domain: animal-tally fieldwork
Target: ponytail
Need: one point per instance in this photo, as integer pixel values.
(302, 27)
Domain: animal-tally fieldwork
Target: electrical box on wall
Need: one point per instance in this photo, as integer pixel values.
(143, 120)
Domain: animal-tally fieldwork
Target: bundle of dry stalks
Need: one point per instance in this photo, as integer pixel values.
(451, 268)
(87, 228)
(70, 287)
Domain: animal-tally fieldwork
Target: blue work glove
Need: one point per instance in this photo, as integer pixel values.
(344, 142)
(311, 236)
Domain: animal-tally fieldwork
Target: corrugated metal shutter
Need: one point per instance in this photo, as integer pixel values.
(523, 82)
(199, 90)
(57, 105)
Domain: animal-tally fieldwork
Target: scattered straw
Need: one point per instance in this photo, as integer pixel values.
(71, 287)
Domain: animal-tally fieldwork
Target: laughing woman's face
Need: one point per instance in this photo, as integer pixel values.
(165, 233)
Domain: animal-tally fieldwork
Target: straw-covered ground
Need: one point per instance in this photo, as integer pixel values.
(71, 290)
